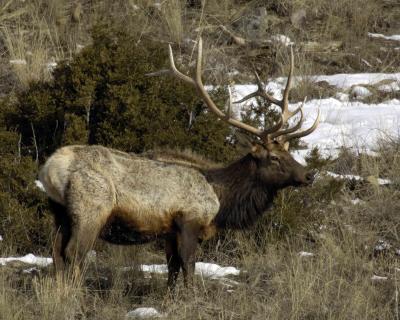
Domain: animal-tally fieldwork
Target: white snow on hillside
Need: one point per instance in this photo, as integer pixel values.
(341, 80)
(379, 181)
(353, 124)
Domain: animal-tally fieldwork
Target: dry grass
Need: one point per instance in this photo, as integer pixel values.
(44, 31)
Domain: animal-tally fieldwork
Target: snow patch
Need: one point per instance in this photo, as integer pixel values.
(154, 268)
(214, 271)
(143, 313)
(51, 66)
(356, 201)
(392, 87)
(29, 259)
(282, 39)
(382, 245)
(341, 96)
(31, 270)
(341, 80)
(18, 62)
(357, 178)
(378, 278)
(305, 254)
(40, 185)
(343, 176)
(395, 37)
(1, 238)
(204, 269)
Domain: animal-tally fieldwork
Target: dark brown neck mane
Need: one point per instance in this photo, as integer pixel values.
(243, 197)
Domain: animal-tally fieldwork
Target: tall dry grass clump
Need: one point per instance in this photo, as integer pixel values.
(59, 298)
(42, 34)
(172, 12)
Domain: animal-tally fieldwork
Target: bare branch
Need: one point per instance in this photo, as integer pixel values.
(35, 143)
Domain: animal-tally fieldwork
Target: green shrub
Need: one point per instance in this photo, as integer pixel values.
(25, 224)
(104, 97)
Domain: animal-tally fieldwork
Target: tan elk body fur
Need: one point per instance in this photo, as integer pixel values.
(148, 194)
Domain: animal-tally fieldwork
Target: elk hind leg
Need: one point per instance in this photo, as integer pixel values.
(90, 201)
(63, 234)
(173, 260)
(187, 240)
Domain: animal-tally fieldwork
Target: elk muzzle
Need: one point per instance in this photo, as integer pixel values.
(304, 177)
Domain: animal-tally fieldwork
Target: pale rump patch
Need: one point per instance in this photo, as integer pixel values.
(54, 175)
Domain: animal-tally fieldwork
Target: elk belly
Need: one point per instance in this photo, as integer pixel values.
(124, 229)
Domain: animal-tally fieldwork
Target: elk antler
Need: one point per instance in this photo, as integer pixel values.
(268, 134)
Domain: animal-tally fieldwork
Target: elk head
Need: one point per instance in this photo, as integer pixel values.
(274, 164)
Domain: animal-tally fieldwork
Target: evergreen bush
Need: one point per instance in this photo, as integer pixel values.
(102, 96)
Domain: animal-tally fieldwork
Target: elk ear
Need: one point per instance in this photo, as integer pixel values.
(243, 141)
(286, 146)
(244, 144)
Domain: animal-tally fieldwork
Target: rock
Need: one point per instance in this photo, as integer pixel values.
(378, 278)
(143, 313)
(305, 254)
(327, 46)
(360, 92)
(382, 247)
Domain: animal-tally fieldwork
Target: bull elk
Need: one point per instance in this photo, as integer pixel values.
(122, 198)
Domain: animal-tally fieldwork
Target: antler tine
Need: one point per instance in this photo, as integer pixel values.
(283, 104)
(289, 130)
(267, 135)
(304, 133)
(294, 128)
(175, 71)
(260, 92)
(210, 104)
